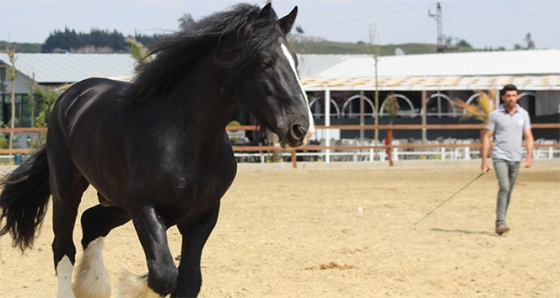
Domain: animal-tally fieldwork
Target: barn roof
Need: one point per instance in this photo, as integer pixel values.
(70, 68)
(531, 70)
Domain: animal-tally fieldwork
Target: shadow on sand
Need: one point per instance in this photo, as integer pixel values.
(464, 232)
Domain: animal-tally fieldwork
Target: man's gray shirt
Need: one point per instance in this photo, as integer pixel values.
(508, 132)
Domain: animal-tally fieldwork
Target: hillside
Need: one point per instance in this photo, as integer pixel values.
(21, 47)
(302, 47)
(331, 47)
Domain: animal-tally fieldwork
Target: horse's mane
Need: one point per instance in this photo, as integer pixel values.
(177, 51)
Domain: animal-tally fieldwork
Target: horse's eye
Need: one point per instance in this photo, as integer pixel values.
(266, 65)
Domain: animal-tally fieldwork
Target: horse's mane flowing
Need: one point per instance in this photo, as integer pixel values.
(177, 51)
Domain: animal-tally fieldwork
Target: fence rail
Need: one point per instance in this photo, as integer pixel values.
(374, 147)
(401, 126)
(336, 148)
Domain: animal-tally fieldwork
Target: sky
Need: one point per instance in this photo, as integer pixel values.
(482, 23)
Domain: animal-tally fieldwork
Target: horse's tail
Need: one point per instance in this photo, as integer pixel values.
(24, 198)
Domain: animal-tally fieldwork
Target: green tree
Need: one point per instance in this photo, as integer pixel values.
(147, 40)
(530, 42)
(185, 21)
(45, 99)
(69, 40)
(464, 43)
(391, 106)
(138, 51)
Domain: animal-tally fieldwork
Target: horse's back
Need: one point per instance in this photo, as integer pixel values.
(86, 94)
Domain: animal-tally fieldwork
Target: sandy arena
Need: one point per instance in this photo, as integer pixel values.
(347, 230)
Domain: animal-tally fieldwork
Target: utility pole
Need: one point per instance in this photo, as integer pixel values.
(375, 50)
(437, 17)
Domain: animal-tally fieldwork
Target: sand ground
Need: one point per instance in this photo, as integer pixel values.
(347, 230)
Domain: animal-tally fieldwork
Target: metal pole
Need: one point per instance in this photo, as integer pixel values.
(497, 97)
(439, 104)
(377, 110)
(327, 124)
(424, 119)
(362, 122)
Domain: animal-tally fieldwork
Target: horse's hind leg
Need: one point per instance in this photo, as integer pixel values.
(91, 279)
(194, 238)
(67, 186)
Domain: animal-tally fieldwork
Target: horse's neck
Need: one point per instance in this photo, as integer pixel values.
(204, 108)
(203, 112)
(209, 113)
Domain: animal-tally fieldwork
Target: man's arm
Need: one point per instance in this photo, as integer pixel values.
(485, 148)
(529, 140)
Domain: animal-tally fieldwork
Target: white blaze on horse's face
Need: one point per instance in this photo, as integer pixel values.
(311, 128)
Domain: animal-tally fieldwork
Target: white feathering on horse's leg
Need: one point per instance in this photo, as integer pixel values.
(64, 272)
(134, 286)
(92, 280)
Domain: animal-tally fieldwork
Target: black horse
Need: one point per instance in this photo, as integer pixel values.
(156, 149)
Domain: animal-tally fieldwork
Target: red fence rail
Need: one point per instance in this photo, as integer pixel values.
(335, 147)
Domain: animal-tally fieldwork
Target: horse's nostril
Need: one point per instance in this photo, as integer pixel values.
(298, 131)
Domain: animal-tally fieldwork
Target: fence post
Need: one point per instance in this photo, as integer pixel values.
(424, 116)
(388, 141)
(327, 124)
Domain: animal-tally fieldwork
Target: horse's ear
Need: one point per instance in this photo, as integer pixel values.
(265, 11)
(286, 23)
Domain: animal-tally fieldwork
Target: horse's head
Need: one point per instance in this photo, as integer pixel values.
(268, 84)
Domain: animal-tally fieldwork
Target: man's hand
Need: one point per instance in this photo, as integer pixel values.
(528, 161)
(485, 168)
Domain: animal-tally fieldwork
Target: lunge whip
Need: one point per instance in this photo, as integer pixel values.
(480, 175)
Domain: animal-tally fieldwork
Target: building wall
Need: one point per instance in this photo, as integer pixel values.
(23, 84)
(22, 90)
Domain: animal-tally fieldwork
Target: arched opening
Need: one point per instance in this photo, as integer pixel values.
(351, 114)
(318, 112)
(402, 112)
(528, 100)
(439, 106)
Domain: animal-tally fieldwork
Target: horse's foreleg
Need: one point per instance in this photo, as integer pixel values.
(162, 272)
(194, 238)
(91, 279)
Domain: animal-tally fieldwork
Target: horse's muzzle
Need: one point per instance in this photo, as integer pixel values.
(298, 136)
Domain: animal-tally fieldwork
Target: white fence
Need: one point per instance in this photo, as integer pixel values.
(450, 149)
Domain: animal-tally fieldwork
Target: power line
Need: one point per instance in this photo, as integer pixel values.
(370, 16)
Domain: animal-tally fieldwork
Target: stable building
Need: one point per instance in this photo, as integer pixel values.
(339, 85)
(54, 70)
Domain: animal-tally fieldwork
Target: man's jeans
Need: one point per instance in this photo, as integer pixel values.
(506, 171)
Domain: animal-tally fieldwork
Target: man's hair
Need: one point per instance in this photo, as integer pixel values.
(509, 87)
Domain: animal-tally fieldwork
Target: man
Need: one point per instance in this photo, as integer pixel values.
(509, 123)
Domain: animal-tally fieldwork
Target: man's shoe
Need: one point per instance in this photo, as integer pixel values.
(501, 228)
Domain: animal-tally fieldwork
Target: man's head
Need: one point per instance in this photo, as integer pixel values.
(509, 95)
